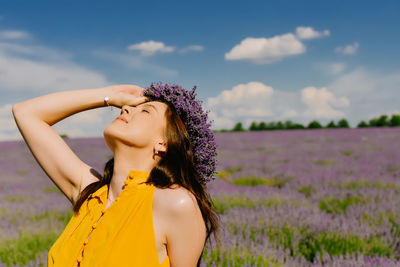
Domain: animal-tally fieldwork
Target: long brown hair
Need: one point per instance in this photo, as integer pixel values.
(176, 166)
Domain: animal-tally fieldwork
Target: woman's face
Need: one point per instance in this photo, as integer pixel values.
(139, 126)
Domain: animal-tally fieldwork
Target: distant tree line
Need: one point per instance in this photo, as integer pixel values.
(382, 121)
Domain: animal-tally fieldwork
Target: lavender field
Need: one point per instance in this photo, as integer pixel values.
(327, 197)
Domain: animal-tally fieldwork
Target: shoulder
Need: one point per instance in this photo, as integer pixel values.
(176, 200)
(185, 229)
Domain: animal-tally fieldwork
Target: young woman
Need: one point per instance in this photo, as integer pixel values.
(151, 206)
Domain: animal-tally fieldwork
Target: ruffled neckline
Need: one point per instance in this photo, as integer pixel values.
(134, 178)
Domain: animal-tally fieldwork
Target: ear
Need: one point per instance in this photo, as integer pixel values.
(161, 146)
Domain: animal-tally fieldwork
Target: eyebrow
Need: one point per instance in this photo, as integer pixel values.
(151, 106)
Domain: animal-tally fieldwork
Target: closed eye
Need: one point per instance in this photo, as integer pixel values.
(145, 111)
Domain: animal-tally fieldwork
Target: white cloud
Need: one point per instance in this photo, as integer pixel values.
(87, 123)
(38, 69)
(348, 49)
(14, 35)
(321, 103)
(357, 95)
(243, 100)
(43, 71)
(310, 33)
(266, 50)
(368, 91)
(242, 93)
(6, 118)
(151, 47)
(191, 48)
(8, 128)
(89, 116)
(255, 101)
(336, 68)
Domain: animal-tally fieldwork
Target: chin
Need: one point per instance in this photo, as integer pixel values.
(108, 138)
(116, 137)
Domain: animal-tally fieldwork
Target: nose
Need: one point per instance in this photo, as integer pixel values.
(125, 109)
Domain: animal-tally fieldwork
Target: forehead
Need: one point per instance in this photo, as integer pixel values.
(160, 106)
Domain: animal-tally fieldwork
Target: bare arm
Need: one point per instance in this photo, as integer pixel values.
(186, 230)
(34, 118)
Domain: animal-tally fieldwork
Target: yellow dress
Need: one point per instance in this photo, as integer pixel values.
(121, 235)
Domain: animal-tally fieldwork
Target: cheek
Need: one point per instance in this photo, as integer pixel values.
(139, 136)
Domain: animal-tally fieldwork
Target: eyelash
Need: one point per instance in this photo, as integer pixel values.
(145, 110)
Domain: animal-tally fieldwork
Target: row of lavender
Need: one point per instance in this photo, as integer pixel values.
(286, 198)
(309, 198)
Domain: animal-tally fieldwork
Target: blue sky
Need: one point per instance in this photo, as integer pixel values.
(251, 61)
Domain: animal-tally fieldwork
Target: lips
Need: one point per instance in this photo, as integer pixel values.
(122, 119)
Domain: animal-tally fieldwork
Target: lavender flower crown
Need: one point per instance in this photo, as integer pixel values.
(195, 120)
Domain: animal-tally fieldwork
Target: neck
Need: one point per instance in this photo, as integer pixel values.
(125, 160)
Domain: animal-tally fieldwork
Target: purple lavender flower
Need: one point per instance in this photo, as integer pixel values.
(195, 119)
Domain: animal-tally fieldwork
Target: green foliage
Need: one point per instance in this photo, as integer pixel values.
(362, 124)
(309, 242)
(380, 185)
(238, 127)
(394, 120)
(275, 181)
(339, 206)
(336, 244)
(346, 152)
(64, 135)
(287, 125)
(22, 172)
(324, 162)
(262, 126)
(248, 181)
(235, 257)
(343, 124)
(359, 184)
(231, 170)
(391, 168)
(26, 247)
(331, 124)
(306, 190)
(253, 126)
(382, 121)
(224, 174)
(224, 203)
(15, 199)
(351, 185)
(373, 122)
(52, 215)
(314, 125)
(52, 188)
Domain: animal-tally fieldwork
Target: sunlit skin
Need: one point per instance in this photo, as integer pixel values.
(133, 137)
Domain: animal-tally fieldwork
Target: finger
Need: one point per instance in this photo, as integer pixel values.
(140, 100)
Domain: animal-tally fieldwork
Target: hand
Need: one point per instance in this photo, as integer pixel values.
(124, 94)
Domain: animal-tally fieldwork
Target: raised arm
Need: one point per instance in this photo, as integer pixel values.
(34, 118)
